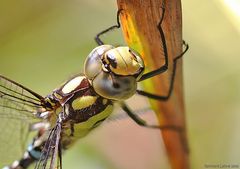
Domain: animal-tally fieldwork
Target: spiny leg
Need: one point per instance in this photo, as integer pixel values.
(97, 38)
(143, 123)
(165, 51)
(166, 97)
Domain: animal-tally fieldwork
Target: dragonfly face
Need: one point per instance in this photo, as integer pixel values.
(114, 72)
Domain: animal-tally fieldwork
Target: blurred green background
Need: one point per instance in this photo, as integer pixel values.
(42, 43)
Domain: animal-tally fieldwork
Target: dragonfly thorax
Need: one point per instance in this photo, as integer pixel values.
(79, 108)
(114, 72)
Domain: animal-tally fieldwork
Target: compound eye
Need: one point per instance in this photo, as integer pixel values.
(114, 87)
(94, 63)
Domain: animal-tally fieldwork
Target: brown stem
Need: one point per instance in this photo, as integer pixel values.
(139, 20)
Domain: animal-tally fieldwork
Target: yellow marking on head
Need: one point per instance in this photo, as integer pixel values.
(72, 84)
(83, 102)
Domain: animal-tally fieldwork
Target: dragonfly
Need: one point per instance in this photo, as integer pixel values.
(111, 75)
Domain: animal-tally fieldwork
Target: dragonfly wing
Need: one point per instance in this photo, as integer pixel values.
(51, 150)
(18, 107)
(17, 98)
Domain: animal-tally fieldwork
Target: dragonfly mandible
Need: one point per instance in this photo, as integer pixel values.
(82, 103)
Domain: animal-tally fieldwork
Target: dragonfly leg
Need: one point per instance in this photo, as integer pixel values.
(143, 123)
(97, 38)
(164, 67)
(166, 97)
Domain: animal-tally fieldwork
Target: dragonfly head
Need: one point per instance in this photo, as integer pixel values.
(123, 61)
(114, 72)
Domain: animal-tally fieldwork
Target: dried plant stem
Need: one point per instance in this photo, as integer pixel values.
(139, 24)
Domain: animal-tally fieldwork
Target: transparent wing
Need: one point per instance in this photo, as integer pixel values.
(18, 106)
(51, 151)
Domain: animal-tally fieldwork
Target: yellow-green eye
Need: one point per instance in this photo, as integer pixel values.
(114, 87)
(93, 64)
